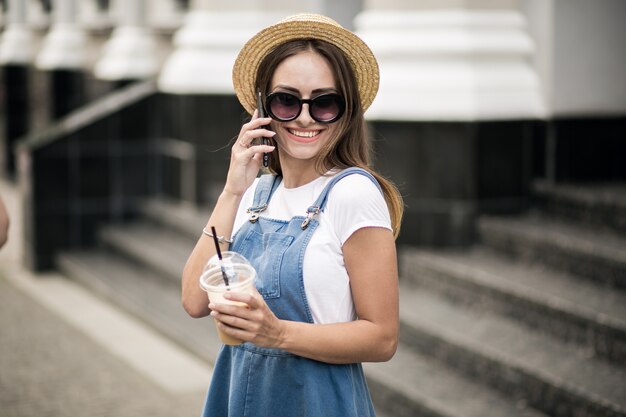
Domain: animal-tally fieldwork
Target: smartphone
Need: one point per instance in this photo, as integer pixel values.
(265, 141)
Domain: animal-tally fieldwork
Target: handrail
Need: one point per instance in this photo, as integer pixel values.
(92, 166)
(87, 115)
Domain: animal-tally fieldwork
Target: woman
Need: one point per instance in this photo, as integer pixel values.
(319, 232)
(4, 223)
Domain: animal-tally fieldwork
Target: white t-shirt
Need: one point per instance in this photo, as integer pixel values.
(353, 203)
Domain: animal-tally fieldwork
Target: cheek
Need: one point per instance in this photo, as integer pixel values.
(331, 133)
(281, 145)
(275, 127)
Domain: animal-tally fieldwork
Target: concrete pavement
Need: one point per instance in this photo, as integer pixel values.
(65, 352)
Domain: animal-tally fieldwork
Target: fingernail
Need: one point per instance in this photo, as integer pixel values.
(211, 306)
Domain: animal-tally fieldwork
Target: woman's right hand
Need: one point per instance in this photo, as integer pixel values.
(245, 158)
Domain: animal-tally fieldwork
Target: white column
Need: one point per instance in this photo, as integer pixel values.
(132, 50)
(451, 60)
(37, 17)
(581, 55)
(92, 17)
(213, 32)
(343, 12)
(165, 15)
(65, 45)
(19, 43)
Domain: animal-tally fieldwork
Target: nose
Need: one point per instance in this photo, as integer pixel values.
(305, 116)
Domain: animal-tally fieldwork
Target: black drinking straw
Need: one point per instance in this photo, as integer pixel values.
(219, 255)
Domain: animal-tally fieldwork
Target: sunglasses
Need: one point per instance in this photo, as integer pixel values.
(285, 107)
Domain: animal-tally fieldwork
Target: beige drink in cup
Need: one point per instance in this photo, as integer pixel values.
(241, 276)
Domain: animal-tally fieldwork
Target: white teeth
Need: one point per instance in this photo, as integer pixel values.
(307, 134)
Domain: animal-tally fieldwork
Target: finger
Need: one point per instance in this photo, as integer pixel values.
(247, 139)
(250, 135)
(232, 321)
(229, 309)
(242, 297)
(255, 300)
(235, 332)
(256, 149)
(257, 122)
(242, 309)
(252, 152)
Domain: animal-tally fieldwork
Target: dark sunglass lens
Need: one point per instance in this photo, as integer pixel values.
(284, 106)
(326, 108)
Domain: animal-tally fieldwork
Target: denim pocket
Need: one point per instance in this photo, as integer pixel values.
(266, 251)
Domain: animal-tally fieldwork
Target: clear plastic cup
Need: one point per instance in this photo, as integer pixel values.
(241, 276)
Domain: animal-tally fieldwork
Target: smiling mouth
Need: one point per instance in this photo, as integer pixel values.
(304, 134)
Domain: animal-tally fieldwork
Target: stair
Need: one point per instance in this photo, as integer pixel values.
(154, 301)
(550, 301)
(537, 310)
(138, 266)
(595, 254)
(529, 366)
(412, 384)
(530, 322)
(602, 205)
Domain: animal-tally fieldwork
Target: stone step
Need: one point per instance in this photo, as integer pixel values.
(602, 204)
(558, 378)
(409, 385)
(161, 250)
(155, 302)
(556, 303)
(599, 255)
(413, 385)
(182, 217)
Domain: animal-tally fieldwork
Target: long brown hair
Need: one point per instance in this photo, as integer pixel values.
(350, 147)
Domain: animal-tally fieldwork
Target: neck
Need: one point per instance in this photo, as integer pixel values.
(298, 173)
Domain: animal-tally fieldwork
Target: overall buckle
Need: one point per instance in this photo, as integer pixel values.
(310, 213)
(255, 212)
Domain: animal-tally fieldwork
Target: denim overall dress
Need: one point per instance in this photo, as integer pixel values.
(249, 381)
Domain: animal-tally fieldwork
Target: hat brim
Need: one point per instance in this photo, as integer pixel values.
(358, 53)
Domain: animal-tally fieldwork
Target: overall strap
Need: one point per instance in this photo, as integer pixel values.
(265, 188)
(320, 203)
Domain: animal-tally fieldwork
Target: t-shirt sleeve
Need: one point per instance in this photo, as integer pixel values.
(356, 202)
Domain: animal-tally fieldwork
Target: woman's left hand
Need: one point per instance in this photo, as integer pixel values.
(255, 323)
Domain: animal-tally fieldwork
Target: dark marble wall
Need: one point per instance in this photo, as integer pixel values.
(100, 163)
(94, 167)
(67, 92)
(449, 172)
(14, 104)
(589, 149)
(209, 125)
(32, 99)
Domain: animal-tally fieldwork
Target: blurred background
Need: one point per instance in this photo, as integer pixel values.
(503, 123)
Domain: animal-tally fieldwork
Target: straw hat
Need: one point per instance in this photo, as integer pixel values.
(304, 26)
